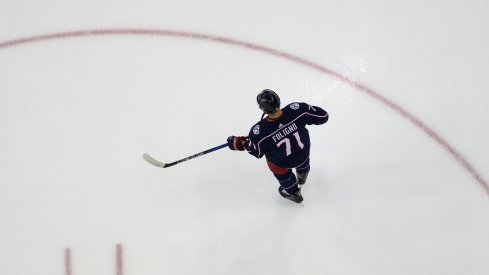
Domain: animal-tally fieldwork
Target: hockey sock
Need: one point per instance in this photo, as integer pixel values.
(288, 181)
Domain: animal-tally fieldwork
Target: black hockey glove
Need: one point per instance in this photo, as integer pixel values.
(236, 143)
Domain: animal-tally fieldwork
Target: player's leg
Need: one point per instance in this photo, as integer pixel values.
(302, 172)
(288, 183)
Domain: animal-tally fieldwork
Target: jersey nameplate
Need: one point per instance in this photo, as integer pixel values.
(284, 132)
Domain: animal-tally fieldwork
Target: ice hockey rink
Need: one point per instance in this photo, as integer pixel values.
(399, 174)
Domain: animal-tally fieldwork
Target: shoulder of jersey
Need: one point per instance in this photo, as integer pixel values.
(256, 129)
(296, 106)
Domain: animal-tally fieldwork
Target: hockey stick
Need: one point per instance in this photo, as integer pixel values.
(155, 162)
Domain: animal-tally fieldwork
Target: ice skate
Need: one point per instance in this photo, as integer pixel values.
(296, 197)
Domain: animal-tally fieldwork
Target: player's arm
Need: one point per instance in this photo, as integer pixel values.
(253, 149)
(253, 144)
(314, 114)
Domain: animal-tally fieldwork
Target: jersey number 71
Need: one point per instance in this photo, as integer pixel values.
(288, 146)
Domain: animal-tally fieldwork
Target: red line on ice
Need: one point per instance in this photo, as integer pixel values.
(233, 42)
(119, 260)
(68, 261)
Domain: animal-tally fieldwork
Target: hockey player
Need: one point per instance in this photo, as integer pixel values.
(283, 139)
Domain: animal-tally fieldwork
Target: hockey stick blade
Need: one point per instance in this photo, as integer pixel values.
(153, 161)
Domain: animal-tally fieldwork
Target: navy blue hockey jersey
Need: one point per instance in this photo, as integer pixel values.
(285, 141)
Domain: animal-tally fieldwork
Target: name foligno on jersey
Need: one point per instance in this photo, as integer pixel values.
(284, 132)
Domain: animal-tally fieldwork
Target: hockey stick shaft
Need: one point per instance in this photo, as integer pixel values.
(149, 159)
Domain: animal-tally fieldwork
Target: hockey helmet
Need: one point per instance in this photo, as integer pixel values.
(268, 101)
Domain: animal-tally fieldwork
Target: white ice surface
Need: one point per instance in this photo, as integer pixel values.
(383, 197)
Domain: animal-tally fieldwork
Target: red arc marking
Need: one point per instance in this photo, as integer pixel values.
(238, 43)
